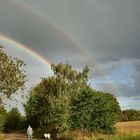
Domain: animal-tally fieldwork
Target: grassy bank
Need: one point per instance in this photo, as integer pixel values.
(128, 137)
(1, 136)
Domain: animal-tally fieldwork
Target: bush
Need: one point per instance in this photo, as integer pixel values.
(94, 111)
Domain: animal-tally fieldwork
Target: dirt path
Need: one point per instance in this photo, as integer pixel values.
(15, 136)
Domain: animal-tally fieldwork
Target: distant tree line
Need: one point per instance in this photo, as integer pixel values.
(130, 115)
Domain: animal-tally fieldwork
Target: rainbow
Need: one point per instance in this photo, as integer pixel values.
(17, 44)
(6, 39)
(70, 40)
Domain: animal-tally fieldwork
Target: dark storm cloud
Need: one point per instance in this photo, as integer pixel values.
(109, 29)
(124, 75)
(23, 25)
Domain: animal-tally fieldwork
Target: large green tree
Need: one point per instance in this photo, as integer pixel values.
(66, 101)
(12, 74)
(50, 100)
(94, 111)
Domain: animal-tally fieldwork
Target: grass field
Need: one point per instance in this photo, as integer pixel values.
(125, 131)
(127, 128)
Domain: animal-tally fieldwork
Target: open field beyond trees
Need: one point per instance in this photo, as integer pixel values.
(128, 128)
(125, 131)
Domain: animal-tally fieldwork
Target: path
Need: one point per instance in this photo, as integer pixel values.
(16, 136)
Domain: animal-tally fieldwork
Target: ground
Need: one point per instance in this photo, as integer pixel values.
(16, 136)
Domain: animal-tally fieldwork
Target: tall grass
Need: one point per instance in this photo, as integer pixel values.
(128, 137)
(127, 128)
(125, 131)
(1, 136)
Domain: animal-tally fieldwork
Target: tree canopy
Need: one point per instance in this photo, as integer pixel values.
(12, 74)
(50, 100)
(65, 101)
(95, 111)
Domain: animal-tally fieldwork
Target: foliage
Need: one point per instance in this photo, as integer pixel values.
(12, 120)
(130, 115)
(49, 101)
(23, 122)
(12, 76)
(2, 116)
(65, 101)
(94, 111)
(34, 109)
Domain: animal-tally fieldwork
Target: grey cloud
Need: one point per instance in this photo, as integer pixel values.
(108, 29)
(79, 32)
(126, 84)
(35, 32)
(137, 98)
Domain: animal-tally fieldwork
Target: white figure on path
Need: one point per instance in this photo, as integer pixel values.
(48, 136)
(30, 132)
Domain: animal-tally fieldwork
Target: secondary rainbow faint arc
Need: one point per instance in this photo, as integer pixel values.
(84, 52)
(14, 43)
(70, 39)
(82, 49)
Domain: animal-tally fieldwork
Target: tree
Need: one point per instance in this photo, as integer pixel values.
(66, 101)
(12, 75)
(50, 100)
(34, 109)
(130, 115)
(95, 111)
(13, 118)
(2, 116)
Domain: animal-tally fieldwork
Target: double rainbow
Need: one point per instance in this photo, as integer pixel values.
(83, 51)
(17, 44)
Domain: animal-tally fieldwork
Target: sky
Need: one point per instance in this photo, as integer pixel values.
(103, 34)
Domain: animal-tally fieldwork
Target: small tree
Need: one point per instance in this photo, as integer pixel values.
(2, 116)
(34, 109)
(12, 76)
(12, 120)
